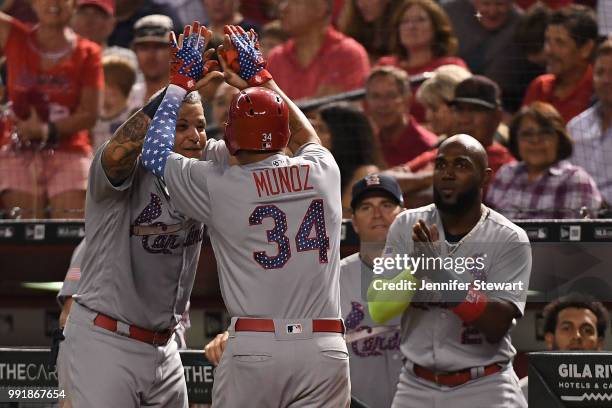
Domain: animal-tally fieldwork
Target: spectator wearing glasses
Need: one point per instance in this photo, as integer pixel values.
(388, 105)
(543, 184)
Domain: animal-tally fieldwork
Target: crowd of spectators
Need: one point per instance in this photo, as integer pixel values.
(531, 80)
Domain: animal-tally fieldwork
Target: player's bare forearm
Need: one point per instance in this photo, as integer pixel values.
(302, 131)
(496, 320)
(124, 147)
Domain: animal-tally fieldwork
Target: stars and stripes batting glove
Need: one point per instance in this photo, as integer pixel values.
(246, 59)
(187, 66)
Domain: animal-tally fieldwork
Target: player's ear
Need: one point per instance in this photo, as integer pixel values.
(355, 228)
(486, 177)
(549, 339)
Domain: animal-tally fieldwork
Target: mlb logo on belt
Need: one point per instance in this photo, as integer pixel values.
(294, 328)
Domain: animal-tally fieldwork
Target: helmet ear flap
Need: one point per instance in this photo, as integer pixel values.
(258, 120)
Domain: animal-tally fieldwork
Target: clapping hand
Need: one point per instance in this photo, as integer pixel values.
(426, 240)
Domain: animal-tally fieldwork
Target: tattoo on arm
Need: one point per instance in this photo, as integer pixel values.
(124, 147)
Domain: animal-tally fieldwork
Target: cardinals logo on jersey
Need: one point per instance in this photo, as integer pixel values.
(355, 316)
(374, 344)
(163, 235)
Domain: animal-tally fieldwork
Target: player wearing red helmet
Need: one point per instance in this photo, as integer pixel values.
(274, 223)
(258, 120)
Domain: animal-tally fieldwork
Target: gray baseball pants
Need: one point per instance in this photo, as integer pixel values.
(99, 368)
(283, 370)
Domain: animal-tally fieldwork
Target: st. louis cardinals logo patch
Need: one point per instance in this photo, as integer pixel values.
(162, 235)
(367, 341)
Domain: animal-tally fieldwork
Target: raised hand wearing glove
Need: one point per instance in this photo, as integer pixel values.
(241, 53)
(188, 65)
(188, 73)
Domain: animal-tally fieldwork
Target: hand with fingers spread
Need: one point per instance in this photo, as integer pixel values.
(188, 65)
(241, 53)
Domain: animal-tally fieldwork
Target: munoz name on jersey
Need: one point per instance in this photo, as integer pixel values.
(279, 180)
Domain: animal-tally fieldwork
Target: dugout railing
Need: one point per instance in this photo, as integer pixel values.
(567, 255)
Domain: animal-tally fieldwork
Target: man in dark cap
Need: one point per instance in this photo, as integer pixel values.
(153, 53)
(375, 358)
(477, 112)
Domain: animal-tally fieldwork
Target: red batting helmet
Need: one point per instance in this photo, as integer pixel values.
(258, 120)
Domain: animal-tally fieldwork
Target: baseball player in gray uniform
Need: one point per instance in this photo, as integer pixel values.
(64, 299)
(71, 282)
(274, 224)
(71, 285)
(375, 358)
(455, 338)
(138, 268)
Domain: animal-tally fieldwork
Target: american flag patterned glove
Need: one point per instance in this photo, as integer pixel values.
(159, 140)
(246, 58)
(187, 65)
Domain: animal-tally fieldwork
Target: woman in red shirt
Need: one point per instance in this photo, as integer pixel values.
(54, 83)
(424, 42)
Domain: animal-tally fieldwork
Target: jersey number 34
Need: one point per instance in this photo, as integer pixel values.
(314, 218)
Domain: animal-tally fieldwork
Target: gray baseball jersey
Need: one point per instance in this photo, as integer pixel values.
(274, 226)
(73, 275)
(434, 337)
(142, 253)
(71, 286)
(375, 360)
